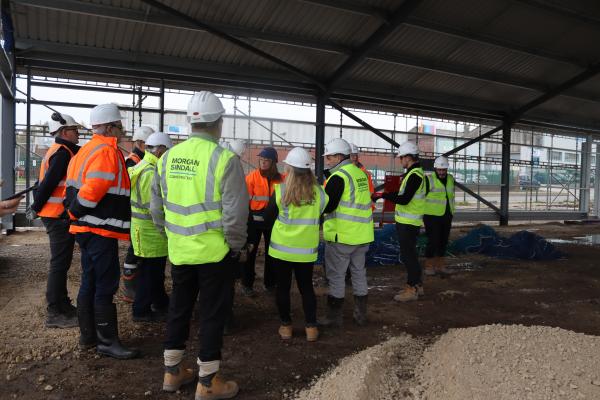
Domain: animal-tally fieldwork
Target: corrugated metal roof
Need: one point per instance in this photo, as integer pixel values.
(498, 53)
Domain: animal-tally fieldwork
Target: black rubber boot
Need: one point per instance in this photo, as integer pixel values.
(87, 327)
(108, 334)
(335, 313)
(360, 310)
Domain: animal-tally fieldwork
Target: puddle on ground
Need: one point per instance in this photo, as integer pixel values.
(587, 240)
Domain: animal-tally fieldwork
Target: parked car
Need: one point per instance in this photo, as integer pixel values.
(477, 180)
(526, 183)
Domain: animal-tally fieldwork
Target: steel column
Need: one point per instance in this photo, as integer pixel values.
(597, 183)
(505, 174)
(7, 153)
(320, 138)
(28, 139)
(586, 166)
(161, 122)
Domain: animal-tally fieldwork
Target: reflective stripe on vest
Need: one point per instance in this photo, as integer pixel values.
(190, 176)
(54, 205)
(295, 235)
(412, 213)
(352, 221)
(439, 194)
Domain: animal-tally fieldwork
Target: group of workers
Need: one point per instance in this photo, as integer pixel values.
(187, 203)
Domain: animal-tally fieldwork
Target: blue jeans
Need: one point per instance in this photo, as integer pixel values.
(100, 269)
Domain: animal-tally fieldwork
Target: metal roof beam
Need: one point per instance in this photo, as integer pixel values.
(162, 19)
(351, 7)
(358, 55)
(557, 9)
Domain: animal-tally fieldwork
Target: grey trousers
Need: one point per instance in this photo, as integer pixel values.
(338, 258)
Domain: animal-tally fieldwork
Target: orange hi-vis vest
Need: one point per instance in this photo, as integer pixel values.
(260, 189)
(134, 157)
(54, 206)
(98, 190)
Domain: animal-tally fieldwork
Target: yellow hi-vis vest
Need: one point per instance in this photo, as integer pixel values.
(146, 240)
(295, 235)
(412, 213)
(352, 221)
(435, 202)
(190, 180)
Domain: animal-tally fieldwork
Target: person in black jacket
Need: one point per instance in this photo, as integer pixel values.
(48, 204)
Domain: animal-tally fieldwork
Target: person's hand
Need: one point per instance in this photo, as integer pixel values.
(376, 196)
(30, 214)
(245, 251)
(10, 206)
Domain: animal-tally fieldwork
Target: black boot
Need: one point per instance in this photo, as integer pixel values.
(56, 319)
(360, 310)
(108, 334)
(87, 327)
(335, 313)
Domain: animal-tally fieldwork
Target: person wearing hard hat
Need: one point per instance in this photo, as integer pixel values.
(348, 231)
(196, 199)
(410, 205)
(48, 204)
(237, 146)
(149, 245)
(439, 209)
(97, 200)
(355, 161)
(294, 211)
(261, 184)
(130, 272)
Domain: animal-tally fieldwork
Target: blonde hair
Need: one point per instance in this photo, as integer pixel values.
(299, 186)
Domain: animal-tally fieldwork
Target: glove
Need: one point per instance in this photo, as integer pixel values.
(30, 214)
(376, 196)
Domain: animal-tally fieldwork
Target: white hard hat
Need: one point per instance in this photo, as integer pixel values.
(441, 163)
(337, 146)
(58, 120)
(142, 133)
(407, 148)
(353, 148)
(204, 107)
(105, 113)
(238, 147)
(159, 139)
(299, 158)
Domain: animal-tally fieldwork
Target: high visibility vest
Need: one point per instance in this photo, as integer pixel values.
(352, 221)
(412, 213)
(260, 189)
(54, 206)
(295, 235)
(146, 240)
(98, 181)
(132, 156)
(190, 176)
(439, 194)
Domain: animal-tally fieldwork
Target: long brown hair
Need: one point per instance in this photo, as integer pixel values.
(299, 186)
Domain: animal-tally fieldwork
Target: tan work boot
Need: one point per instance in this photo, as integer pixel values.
(219, 389)
(312, 333)
(429, 267)
(409, 293)
(176, 379)
(285, 332)
(440, 265)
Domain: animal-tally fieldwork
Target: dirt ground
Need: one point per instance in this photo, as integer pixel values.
(37, 363)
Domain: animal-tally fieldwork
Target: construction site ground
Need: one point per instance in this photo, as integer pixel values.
(40, 363)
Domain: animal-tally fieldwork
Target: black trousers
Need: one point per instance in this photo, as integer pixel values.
(61, 255)
(256, 230)
(100, 270)
(131, 258)
(303, 273)
(214, 282)
(151, 286)
(407, 236)
(438, 232)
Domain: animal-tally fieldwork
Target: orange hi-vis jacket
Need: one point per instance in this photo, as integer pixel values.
(260, 189)
(370, 178)
(97, 196)
(54, 206)
(134, 157)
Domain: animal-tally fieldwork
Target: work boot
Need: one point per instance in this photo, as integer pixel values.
(409, 293)
(440, 266)
(177, 376)
(285, 332)
(87, 327)
(152, 316)
(312, 333)
(429, 267)
(248, 291)
(56, 319)
(360, 310)
(335, 313)
(217, 389)
(68, 309)
(108, 334)
(129, 282)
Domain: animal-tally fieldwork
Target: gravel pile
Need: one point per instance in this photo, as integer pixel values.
(491, 362)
